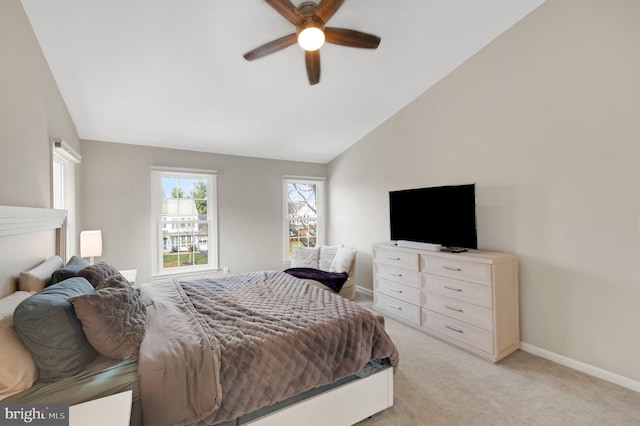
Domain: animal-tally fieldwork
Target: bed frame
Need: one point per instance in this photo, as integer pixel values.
(344, 405)
(29, 236)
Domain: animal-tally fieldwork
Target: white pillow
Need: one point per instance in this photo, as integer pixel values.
(327, 253)
(343, 259)
(18, 371)
(37, 278)
(8, 305)
(305, 257)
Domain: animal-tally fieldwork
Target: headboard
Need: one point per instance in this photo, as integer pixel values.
(28, 236)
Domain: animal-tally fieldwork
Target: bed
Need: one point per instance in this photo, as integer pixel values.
(226, 381)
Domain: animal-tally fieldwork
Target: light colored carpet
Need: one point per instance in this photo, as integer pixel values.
(438, 384)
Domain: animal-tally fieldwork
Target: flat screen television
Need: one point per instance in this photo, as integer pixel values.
(444, 215)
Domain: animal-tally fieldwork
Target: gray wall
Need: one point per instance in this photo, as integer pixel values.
(545, 121)
(116, 192)
(31, 113)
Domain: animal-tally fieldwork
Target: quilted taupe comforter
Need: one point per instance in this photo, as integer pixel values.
(219, 348)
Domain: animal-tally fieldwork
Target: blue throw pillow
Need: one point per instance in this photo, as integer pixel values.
(48, 326)
(70, 270)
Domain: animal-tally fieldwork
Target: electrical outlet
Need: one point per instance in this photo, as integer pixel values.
(225, 270)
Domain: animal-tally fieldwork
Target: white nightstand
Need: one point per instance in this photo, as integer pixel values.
(130, 275)
(112, 410)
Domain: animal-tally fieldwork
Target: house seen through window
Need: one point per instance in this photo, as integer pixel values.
(185, 215)
(304, 213)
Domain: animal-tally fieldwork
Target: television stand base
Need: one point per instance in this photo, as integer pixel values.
(417, 245)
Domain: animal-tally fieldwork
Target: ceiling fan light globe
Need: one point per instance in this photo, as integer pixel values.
(311, 38)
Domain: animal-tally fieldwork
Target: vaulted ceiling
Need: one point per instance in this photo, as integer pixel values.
(170, 73)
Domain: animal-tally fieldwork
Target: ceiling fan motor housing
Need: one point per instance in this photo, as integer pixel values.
(308, 9)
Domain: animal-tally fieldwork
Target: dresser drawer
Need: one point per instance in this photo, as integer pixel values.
(462, 311)
(475, 272)
(458, 330)
(399, 291)
(397, 307)
(398, 275)
(401, 259)
(460, 290)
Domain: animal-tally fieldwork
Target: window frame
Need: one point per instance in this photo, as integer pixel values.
(63, 188)
(157, 224)
(320, 209)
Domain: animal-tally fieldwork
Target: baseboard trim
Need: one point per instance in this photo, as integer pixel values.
(366, 291)
(598, 372)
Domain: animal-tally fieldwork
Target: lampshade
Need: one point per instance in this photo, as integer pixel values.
(91, 244)
(311, 38)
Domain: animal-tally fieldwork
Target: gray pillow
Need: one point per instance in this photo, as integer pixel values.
(113, 318)
(114, 281)
(70, 270)
(48, 326)
(97, 274)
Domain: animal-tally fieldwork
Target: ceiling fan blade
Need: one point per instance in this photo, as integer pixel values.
(288, 10)
(312, 60)
(327, 8)
(351, 38)
(272, 46)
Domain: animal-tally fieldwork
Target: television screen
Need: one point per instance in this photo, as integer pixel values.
(444, 215)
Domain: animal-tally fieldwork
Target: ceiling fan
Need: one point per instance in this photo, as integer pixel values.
(311, 33)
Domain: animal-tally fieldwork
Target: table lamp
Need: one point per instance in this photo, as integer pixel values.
(91, 244)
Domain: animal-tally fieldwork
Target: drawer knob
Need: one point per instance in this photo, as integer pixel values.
(393, 258)
(396, 290)
(395, 306)
(457, 330)
(451, 268)
(452, 288)
(395, 274)
(453, 308)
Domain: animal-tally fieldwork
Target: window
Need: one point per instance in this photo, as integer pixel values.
(303, 213)
(184, 221)
(63, 187)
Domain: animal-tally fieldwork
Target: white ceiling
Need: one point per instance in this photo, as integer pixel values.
(170, 73)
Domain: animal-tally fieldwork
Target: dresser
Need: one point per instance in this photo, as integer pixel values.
(468, 299)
